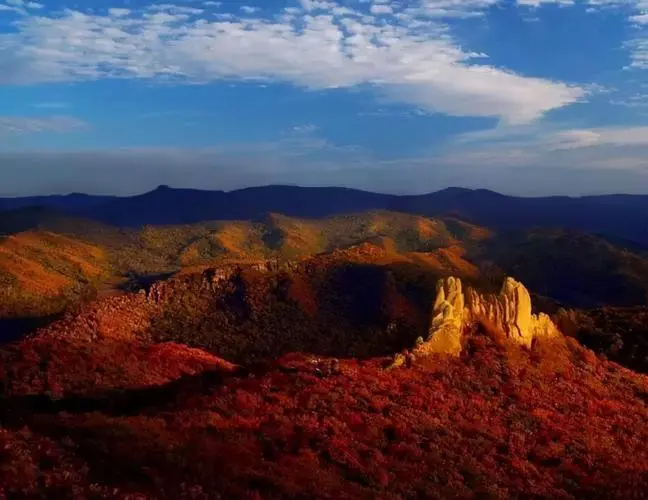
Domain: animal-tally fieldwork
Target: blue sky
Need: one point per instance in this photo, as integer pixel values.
(525, 97)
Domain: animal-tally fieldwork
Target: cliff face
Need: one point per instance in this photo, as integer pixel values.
(448, 319)
(455, 309)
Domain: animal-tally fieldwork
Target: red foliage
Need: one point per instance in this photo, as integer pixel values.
(548, 423)
(57, 367)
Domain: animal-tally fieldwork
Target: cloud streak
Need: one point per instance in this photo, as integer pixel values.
(542, 137)
(132, 171)
(529, 160)
(543, 150)
(20, 125)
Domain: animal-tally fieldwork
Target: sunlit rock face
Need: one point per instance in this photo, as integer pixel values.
(446, 328)
(455, 309)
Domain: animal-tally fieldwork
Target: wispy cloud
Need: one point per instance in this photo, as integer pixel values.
(21, 125)
(545, 138)
(540, 3)
(639, 50)
(52, 105)
(541, 148)
(637, 101)
(407, 54)
(638, 44)
(248, 9)
(309, 128)
(391, 112)
(531, 159)
(165, 113)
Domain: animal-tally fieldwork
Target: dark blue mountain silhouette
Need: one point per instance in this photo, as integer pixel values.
(620, 217)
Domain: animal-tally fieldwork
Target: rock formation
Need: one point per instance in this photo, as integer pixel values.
(446, 327)
(455, 309)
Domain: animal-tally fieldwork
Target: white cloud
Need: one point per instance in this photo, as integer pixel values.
(249, 9)
(449, 8)
(573, 139)
(638, 45)
(381, 9)
(547, 138)
(309, 128)
(473, 8)
(119, 12)
(9, 8)
(22, 125)
(20, 6)
(539, 3)
(408, 59)
(310, 5)
(181, 11)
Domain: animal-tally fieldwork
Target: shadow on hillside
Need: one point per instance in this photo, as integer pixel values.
(16, 411)
(343, 310)
(13, 329)
(619, 333)
(135, 282)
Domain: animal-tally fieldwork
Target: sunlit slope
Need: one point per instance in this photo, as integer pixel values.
(37, 268)
(572, 268)
(277, 236)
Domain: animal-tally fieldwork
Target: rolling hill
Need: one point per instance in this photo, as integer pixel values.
(166, 248)
(574, 268)
(49, 258)
(50, 262)
(43, 272)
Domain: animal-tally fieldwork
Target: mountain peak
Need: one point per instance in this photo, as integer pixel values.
(455, 190)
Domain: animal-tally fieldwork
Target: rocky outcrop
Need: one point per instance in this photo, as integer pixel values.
(214, 279)
(455, 309)
(448, 318)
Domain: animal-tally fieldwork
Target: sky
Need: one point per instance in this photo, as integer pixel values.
(525, 97)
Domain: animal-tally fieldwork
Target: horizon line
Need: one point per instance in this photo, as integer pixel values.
(318, 187)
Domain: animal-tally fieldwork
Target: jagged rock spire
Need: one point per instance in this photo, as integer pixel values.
(454, 309)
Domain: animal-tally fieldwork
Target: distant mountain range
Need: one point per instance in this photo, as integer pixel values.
(622, 218)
